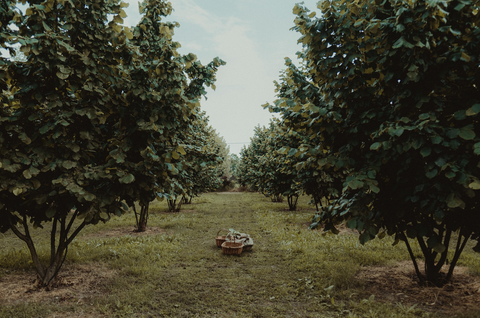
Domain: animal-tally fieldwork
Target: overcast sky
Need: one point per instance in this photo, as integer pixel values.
(253, 37)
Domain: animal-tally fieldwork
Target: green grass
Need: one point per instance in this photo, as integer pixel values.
(291, 272)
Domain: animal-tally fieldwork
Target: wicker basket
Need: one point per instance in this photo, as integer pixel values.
(220, 239)
(232, 248)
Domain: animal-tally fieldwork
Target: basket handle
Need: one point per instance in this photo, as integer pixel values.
(221, 230)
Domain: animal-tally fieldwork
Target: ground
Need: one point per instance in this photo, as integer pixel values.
(85, 287)
(398, 284)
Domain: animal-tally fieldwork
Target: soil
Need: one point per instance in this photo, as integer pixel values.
(399, 284)
(75, 283)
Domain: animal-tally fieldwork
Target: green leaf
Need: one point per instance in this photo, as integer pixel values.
(36, 183)
(181, 150)
(467, 134)
(465, 57)
(475, 109)
(26, 174)
(426, 151)
(399, 131)
(129, 178)
(436, 140)
(89, 197)
(62, 76)
(476, 148)
(439, 214)
(69, 164)
(450, 174)
(372, 174)
(452, 133)
(351, 224)
(355, 184)
(50, 213)
(432, 241)
(45, 128)
(432, 173)
(453, 201)
(460, 115)
(374, 188)
(440, 162)
(65, 45)
(375, 146)
(402, 42)
(475, 185)
(424, 116)
(439, 248)
(417, 143)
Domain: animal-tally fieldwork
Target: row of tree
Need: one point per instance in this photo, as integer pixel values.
(381, 124)
(97, 118)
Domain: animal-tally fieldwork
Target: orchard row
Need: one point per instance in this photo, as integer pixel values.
(380, 125)
(97, 118)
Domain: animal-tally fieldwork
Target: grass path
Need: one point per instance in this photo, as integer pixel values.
(254, 284)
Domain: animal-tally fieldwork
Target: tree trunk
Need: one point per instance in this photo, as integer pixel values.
(173, 205)
(46, 274)
(432, 271)
(292, 202)
(187, 199)
(143, 218)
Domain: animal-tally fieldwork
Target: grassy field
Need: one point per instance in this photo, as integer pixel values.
(175, 270)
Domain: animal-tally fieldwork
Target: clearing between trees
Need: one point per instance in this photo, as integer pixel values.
(174, 269)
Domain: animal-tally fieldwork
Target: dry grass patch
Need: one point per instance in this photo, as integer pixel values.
(76, 283)
(398, 283)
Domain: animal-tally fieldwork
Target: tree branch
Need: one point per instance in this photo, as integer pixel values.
(74, 216)
(79, 228)
(419, 275)
(52, 239)
(458, 250)
(13, 227)
(446, 242)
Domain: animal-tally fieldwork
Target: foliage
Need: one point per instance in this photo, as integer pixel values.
(234, 164)
(297, 95)
(90, 116)
(204, 153)
(390, 92)
(263, 168)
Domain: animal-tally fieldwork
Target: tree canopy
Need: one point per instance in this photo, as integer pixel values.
(390, 95)
(91, 120)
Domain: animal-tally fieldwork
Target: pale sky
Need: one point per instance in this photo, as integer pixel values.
(253, 37)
